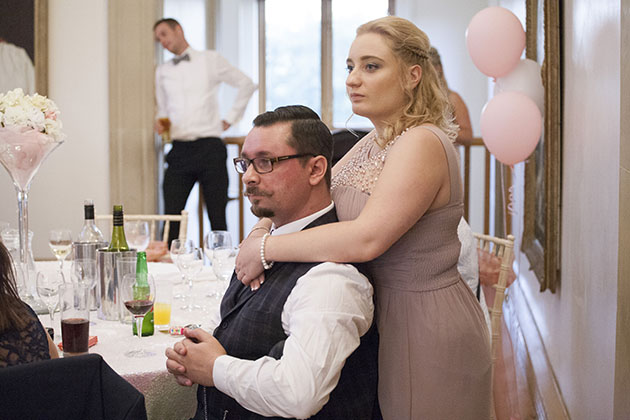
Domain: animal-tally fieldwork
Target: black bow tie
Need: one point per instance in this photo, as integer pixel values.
(184, 57)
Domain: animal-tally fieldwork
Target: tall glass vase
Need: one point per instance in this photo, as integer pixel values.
(22, 151)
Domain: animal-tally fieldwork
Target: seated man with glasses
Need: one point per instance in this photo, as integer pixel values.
(303, 343)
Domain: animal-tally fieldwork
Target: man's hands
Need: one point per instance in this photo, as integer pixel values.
(193, 363)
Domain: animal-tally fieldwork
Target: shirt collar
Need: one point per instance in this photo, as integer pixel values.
(300, 224)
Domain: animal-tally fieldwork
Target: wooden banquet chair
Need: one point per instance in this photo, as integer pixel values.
(495, 270)
(503, 249)
(153, 220)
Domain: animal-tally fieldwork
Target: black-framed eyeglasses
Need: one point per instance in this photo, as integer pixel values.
(263, 165)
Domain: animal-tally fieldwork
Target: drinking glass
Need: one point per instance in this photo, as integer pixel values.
(137, 234)
(189, 261)
(75, 318)
(176, 246)
(216, 239)
(60, 242)
(163, 301)
(84, 272)
(223, 260)
(48, 290)
(125, 265)
(138, 298)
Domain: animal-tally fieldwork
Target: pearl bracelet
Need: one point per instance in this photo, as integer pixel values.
(265, 265)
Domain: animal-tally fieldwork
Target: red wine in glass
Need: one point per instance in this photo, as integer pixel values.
(75, 335)
(139, 307)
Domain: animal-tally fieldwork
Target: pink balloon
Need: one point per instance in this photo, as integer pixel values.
(511, 125)
(495, 40)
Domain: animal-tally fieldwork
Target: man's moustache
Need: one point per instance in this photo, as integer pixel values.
(255, 191)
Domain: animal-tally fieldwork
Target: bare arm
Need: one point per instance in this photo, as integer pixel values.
(462, 118)
(414, 180)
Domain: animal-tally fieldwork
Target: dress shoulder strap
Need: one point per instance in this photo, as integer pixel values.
(452, 158)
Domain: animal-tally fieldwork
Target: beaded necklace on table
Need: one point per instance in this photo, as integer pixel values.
(363, 169)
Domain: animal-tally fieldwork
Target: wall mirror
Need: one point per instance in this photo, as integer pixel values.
(24, 28)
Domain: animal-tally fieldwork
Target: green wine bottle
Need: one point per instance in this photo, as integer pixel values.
(118, 242)
(140, 290)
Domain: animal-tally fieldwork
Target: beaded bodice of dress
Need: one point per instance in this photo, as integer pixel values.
(425, 257)
(365, 165)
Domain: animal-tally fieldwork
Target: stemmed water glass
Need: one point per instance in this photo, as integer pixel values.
(84, 272)
(48, 290)
(60, 242)
(174, 250)
(223, 260)
(137, 234)
(189, 261)
(138, 294)
(216, 239)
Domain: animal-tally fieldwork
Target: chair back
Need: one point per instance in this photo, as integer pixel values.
(503, 249)
(78, 387)
(153, 220)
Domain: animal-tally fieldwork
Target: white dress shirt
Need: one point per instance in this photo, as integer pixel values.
(187, 94)
(324, 316)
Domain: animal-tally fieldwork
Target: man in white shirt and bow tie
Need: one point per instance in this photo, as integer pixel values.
(186, 89)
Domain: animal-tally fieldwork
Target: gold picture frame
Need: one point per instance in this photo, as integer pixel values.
(543, 170)
(24, 23)
(41, 47)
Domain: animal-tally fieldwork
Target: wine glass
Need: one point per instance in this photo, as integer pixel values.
(48, 290)
(216, 239)
(138, 294)
(223, 260)
(60, 242)
(190, 263)
(83, 271)
(137, 234)
(174, 250)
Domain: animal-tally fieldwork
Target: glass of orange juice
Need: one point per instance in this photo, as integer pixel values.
(162, 304)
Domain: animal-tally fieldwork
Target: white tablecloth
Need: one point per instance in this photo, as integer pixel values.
(164, 398)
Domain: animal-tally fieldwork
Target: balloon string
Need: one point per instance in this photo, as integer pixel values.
(510, 205)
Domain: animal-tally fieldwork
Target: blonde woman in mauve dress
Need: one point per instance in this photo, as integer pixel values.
(398, 196)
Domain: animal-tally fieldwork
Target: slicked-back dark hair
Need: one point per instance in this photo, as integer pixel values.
(309, 134)
(169, 21)
(11, 307)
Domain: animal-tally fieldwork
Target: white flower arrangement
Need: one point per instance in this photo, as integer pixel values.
(22, 112)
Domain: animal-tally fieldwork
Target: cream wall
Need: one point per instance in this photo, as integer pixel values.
(578, 323)
(78, 84)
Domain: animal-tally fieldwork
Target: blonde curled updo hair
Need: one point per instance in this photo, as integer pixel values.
(427, 102)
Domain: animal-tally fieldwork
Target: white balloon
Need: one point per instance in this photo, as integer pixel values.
(525, 78)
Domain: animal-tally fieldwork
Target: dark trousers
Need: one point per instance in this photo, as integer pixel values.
(200, 160)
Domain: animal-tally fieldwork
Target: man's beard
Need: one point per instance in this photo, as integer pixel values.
(261, 211)
(255, 208)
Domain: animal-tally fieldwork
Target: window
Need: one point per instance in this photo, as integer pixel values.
(293, 59)
(305, 47)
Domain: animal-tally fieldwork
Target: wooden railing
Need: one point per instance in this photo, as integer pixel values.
(466, 162)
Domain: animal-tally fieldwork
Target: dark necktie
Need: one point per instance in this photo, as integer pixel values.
(184, 57)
